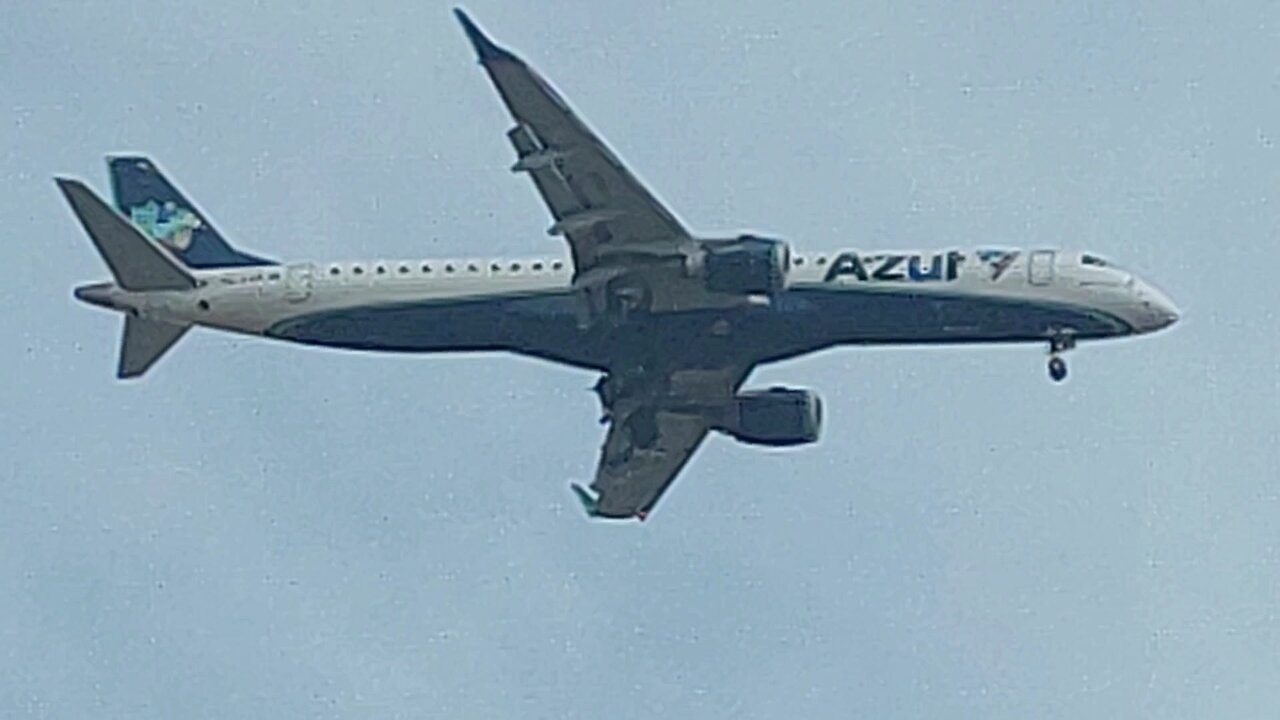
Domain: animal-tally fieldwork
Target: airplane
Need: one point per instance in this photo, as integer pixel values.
(672, 321)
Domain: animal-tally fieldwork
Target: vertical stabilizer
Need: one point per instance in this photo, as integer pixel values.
(154, 205)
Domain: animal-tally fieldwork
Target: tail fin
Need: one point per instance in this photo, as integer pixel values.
(135, 262)
(143, 342)
(138, 265)
(145, 196)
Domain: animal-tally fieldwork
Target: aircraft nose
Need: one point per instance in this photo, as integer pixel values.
(1159, 308)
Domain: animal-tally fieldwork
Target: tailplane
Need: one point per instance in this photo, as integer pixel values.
(136, 263)
(138, 266)
(152, 203)
(143, 342)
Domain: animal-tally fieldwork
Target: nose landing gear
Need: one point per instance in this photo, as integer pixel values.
(1058, 345)
(1057, 369)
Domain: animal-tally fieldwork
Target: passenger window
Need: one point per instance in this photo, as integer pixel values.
(537, 266)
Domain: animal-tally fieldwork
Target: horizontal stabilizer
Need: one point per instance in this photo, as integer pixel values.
(143, 343)
(135, 262)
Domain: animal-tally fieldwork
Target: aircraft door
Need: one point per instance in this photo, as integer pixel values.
(1040, 267)
(298, 280)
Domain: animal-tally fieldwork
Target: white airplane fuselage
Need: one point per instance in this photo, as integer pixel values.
(674, 323)
(530, 306)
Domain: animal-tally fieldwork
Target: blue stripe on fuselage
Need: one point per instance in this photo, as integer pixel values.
(798, 321)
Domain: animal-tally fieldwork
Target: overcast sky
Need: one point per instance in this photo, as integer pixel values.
(259, 530)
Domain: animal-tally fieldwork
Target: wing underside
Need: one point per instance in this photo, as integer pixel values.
(628, 250)
(630, 479)
(652, 435)
(596, 203)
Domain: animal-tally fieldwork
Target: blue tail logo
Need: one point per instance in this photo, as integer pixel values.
(171, 225)
(160, 210)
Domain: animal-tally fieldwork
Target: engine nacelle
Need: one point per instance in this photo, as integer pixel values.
(778, 416)
(747, 265)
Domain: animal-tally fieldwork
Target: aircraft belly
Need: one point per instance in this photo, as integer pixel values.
(880, 317)
(544, 326)
(796, 322)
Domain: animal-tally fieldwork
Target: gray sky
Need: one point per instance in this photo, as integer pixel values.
(259, 530)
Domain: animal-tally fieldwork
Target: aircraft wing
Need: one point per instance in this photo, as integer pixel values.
(597, 204)
(652, 436)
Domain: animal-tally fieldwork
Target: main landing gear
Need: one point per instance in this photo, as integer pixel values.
(1058, 345)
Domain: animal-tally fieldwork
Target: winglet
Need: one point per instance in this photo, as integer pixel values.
(590, 502)
(485, 48)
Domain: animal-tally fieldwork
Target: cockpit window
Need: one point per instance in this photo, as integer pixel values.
(1093, 260)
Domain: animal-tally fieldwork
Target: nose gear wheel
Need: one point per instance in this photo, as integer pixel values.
(1059, 344)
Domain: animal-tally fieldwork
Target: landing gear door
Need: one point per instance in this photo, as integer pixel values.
(1040, 267)
(298, 280)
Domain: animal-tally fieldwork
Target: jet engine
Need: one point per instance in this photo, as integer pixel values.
(778, 416)
(746, 265)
